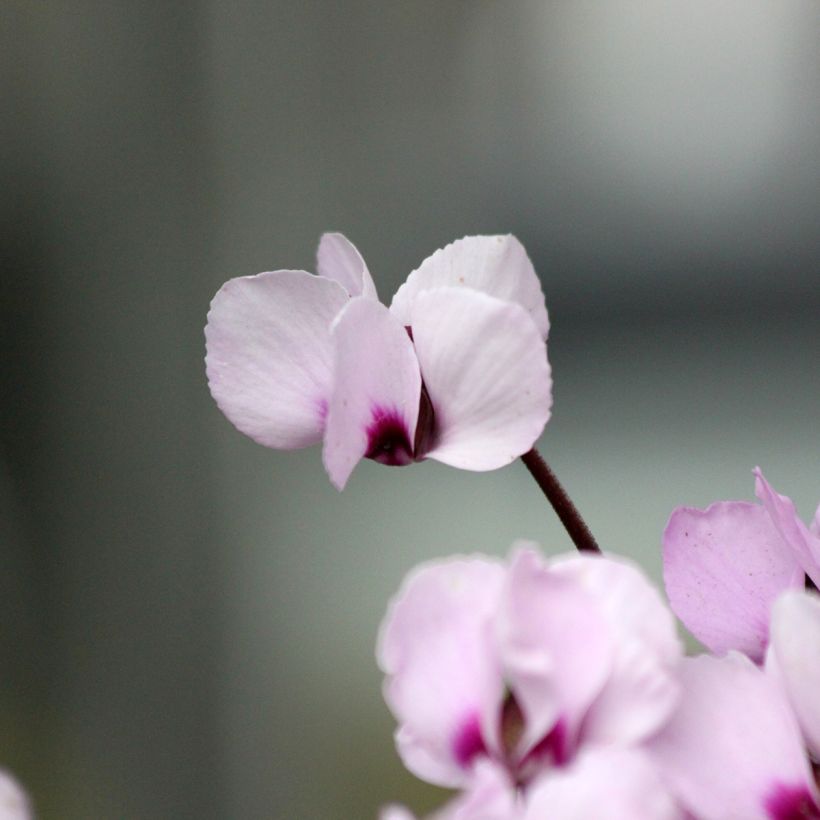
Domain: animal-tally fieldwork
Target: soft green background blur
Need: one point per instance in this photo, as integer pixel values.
(188, 619)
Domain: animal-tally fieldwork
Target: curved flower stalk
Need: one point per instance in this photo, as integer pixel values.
(725, 566)
(455, 370)
(533, 682)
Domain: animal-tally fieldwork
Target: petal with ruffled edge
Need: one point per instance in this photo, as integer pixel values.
(794, 656)
(339, 259)
(374, 405)
(556, 647)
(607, 784)
(723, 568)
(269, 354)
(803, 542)
(444, 682)
(733, 747)
(495, 265)
(486, 372)
(641, 690)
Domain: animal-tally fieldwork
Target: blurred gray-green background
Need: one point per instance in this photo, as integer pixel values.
(188, 619)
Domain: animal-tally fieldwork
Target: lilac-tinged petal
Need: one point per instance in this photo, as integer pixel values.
(486, 372)
(804, 544)
(733, 747)
(374, 404)
(641, 690)
(338, 258)
(795, 655)
(723, 568)
(495, 265)
(489, 796)
(556, 648)
(14, 805)
(444, 682)
(814, 527)
(607, 784)
(269, 354)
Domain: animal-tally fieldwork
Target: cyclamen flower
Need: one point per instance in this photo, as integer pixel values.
(532, 670)
(455, 370)
(725, 566)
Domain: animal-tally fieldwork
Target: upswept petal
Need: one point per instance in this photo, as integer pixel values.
(814, 527)
(269, 354)
(641, 690)
(723, 567)
(486, 371)
(374, 404)
(495, 265)
(556, 648)
(444, 682)
(607, 784)
(732, 748)
(338, 258)
(804, 543)
(794, 654)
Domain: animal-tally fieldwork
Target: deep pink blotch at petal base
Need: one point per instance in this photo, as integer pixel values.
(388, 441)
(791, 803)
(468, 742)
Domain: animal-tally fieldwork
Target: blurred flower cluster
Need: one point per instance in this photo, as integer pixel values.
(558, 689)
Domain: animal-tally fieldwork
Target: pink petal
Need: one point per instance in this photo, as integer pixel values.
(14, 805)
(804, 544)
(489, 796)
(814, 527)
(495, 265)
(394, 812)
(733, 747)
(605, 784)
(641, 690)
(723, 568)
(444, 683)
(374, 405)
(556, 648)
(338, 258)
(486, 371)
(795, 653)
(270, 355)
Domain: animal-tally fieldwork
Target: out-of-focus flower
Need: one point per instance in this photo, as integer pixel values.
(455, 370)
(528, 668)
(725, 566)
(794, 659)
(14, 804)
(732, 748)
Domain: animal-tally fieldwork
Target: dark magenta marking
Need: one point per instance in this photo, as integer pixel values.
(553, 747)
(468, 742)
(388, 441)
(791, 803)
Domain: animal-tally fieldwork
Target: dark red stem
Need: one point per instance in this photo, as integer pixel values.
(561, 503)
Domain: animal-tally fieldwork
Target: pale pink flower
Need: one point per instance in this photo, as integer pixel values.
(527, 667)
(726, 565)
(455, 370)
(732, 748)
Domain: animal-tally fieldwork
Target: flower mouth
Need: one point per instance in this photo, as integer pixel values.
(388, 441)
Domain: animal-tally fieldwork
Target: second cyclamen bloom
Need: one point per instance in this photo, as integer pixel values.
(455, 370)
